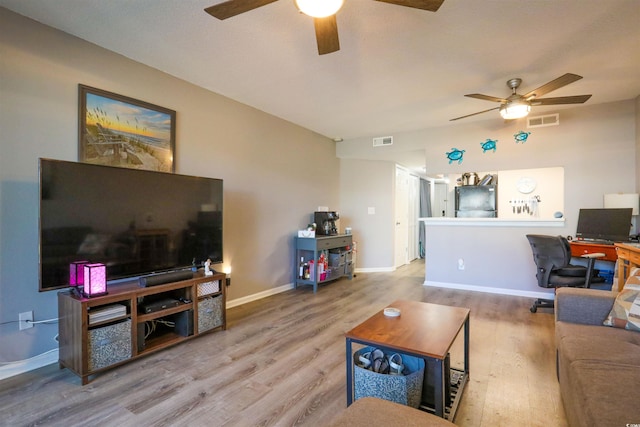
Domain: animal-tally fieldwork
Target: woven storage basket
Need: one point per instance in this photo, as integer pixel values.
(208, 288)
(109, 344)
(403, 389)
(209, 313)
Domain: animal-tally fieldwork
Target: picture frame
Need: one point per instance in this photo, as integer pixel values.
(116, 130)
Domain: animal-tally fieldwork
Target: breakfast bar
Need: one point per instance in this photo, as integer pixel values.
(485, 254)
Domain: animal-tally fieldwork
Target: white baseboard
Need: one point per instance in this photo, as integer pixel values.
(250, 298)
(486, 289)
(22, 366)
(375, 270)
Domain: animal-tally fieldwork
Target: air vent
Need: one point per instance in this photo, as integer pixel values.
(382, 141)
(541, 121)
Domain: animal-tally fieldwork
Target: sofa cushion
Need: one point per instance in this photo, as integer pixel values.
(625, 312)
(585, 306)
(601, 394)
(596, 343)
(372, 412)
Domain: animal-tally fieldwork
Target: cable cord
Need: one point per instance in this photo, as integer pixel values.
(51, 321)
(150, 326)
(31, 358)
(10, 321)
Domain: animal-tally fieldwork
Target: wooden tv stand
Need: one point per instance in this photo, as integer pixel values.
(92, 340)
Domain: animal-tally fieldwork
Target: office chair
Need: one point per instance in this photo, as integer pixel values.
(552, 255)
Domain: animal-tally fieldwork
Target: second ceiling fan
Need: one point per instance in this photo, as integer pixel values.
(324, 21)
(517, 106)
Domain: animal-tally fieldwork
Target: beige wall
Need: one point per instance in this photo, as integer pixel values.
(369, 184)
(275, 173)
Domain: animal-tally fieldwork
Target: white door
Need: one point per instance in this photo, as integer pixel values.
(401, 217)
(440, 203)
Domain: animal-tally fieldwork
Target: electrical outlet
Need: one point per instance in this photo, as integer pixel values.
(23, 317)
(460, 264)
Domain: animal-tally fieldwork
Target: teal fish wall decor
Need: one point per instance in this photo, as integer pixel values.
(455, 155)
(489, 144)
(521, 136)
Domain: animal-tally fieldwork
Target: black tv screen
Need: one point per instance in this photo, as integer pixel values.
(136, 222)
(612, 225)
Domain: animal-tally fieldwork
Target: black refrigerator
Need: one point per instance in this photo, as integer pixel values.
(476, 201)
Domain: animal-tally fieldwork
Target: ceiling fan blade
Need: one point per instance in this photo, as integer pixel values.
(486, 97)
(577, 99)
(327, 34)
(475, 114)
(235, 7)
(552, 85)
(430, 5)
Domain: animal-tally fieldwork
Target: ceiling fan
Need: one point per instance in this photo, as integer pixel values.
(517, 106)
(324, 19)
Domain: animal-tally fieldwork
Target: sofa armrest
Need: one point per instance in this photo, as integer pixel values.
(585, 306)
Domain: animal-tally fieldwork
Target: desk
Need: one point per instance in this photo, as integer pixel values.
(629, 255)
(422, 330)
(580, 248)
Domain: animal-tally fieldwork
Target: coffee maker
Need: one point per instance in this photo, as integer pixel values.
(326, 223)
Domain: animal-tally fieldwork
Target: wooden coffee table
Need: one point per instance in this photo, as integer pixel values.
(422, 330)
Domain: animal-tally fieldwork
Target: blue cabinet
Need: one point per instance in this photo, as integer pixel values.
(337, 251)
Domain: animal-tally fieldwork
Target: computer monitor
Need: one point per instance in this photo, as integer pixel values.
(613, 225)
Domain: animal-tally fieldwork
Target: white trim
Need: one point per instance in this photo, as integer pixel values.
(255, 297)
(493, 222)
(21, 366)
(375, 270)
(486, 289)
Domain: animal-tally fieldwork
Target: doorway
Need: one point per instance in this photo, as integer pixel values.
(440, 199)
(407, 190)
(401, 217)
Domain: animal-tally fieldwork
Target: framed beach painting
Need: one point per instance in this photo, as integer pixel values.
(116, 130)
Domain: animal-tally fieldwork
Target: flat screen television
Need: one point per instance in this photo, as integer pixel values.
(611, 225)
(137, 222)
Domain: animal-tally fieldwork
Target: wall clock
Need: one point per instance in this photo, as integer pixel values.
(526, 185)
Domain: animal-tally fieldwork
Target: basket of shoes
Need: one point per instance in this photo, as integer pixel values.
(395, 377)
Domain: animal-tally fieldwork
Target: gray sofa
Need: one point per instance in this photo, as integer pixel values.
(598, 366)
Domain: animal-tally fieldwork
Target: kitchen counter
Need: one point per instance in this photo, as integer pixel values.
(485, 254)
(493, 222)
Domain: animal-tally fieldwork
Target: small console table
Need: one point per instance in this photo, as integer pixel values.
(338, 251)
(100, 333)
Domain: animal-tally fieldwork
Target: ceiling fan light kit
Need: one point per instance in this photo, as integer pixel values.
(323, 13)
(515, 110)
(319, 8)
(517, 106)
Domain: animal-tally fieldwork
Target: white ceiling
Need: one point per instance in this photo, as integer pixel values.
(399, 69)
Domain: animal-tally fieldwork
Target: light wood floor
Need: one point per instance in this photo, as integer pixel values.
(281, 362)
